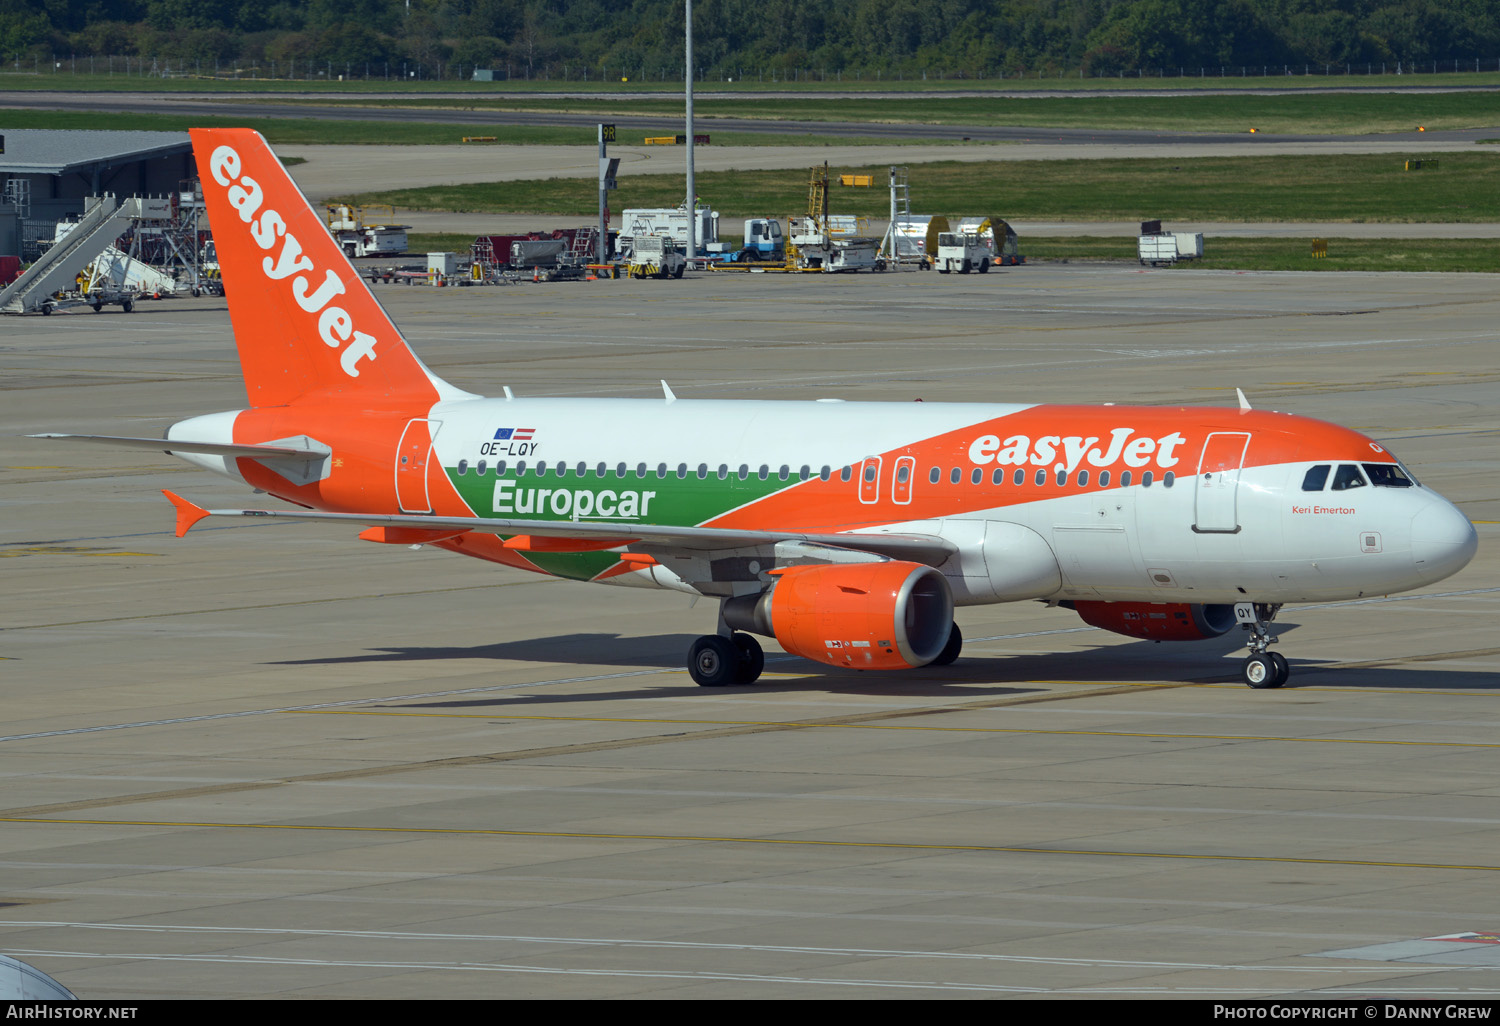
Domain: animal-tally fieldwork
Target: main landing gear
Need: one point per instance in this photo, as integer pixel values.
(1263, 668)
(718, 660)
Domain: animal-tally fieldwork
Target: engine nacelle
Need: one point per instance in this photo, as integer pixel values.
(1158, 621)
(870, 616)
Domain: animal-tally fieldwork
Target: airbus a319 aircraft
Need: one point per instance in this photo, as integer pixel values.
(846, 531)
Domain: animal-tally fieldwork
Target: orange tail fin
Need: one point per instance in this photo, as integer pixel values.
(304, 321)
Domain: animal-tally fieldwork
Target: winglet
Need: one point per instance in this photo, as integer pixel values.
(1244, 403)
(187, 513)
(667, 393)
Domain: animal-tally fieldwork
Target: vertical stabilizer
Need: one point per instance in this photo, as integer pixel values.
(304, 321)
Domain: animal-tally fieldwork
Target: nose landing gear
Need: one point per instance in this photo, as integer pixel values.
(1262, 668)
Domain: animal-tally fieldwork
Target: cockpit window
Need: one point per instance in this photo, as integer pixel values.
(1387, 475)
(1346, 477)
(1316, 478)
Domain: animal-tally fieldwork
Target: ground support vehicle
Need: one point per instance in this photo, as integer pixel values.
(656, 256)
(962, 253)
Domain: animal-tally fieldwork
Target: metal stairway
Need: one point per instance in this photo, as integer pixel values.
(58, 268)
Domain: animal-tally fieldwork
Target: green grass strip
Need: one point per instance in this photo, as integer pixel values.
(294, 131)
(1299, 114)
(1288, 254)
(1464, 187)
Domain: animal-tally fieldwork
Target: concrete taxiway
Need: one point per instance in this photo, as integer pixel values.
(276, 760)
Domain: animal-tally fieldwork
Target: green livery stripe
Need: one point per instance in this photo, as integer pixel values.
(670, 500)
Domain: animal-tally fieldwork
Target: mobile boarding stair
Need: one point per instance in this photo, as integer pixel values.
(57, 269)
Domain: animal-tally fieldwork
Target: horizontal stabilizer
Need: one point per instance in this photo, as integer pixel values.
(251, 451)
(188, 513)
(919, 548)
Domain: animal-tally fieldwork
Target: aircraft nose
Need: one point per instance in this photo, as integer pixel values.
(1442, 540)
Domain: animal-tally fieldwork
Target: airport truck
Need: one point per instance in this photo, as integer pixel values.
(763, 241)
(656, 256)
(672, 222)
(962, 253)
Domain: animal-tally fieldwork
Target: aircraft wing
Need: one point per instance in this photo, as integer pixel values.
(182, 445)
(918, 548)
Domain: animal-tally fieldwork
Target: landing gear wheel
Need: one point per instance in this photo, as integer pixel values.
(714, 661)
(752, 659)
(1261, 671)
(1283, 670)
(951, 649)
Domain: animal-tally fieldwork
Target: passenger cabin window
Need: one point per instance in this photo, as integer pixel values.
(1083, 478)
(1020, 476)
(998, 477)
(846, 473)
(499, 468)
(956, 475)
(1346, 477)
(934, 474)
(1387, 475)
(977, 476)
(824, 473)
(1041, 477)
(1316, 477)
(463, 467)
(1125, 479)
(1103, 479)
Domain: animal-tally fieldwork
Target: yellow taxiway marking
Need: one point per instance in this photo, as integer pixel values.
(785, 841)
(894, 726)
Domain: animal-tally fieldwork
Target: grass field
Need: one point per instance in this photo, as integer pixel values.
(1358, 187)
(285, 131)
(1303, 114)
(1270, 254)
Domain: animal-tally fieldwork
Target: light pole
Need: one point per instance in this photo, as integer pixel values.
(692, 192)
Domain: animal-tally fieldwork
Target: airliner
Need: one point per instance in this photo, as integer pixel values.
(847, 531)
